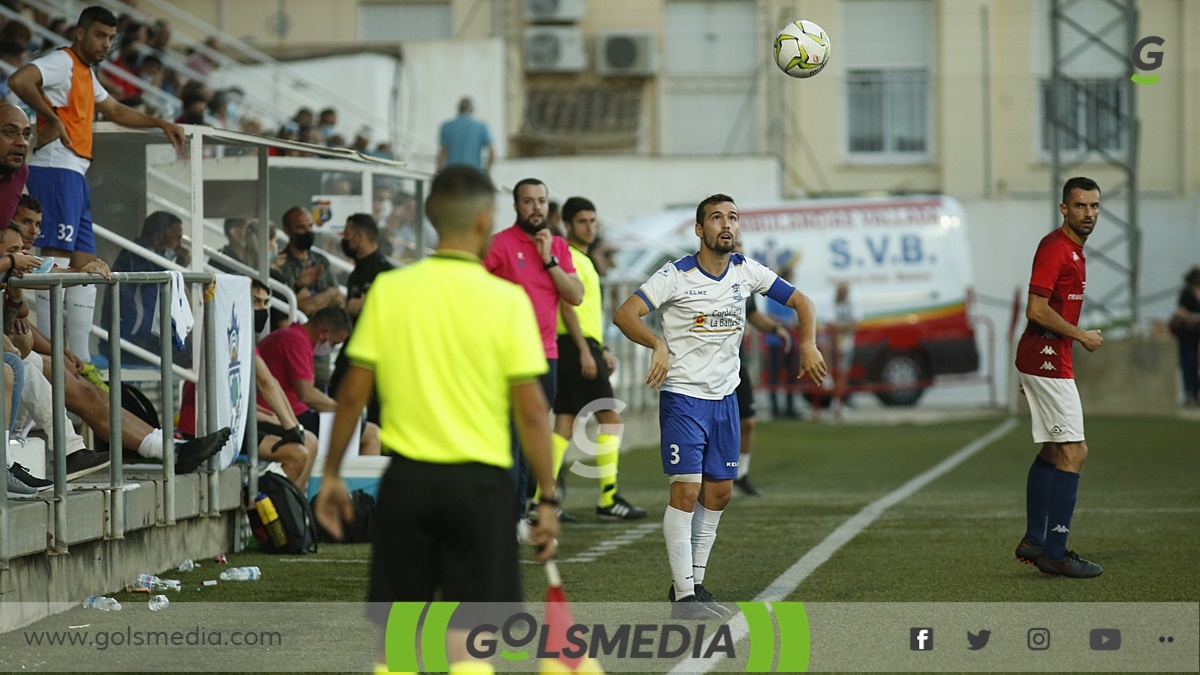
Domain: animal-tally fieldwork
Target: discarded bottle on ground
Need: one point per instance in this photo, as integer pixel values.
(159, 602)
(102, 603)
(186, 566)
(154, 584)
(241, 574)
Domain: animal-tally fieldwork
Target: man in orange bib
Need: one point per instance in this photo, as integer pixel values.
(64, 92)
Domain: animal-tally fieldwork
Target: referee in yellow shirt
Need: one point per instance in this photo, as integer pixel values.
(452, 350)
(584, 366)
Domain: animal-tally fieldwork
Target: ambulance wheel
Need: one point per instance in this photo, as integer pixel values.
(901, 371)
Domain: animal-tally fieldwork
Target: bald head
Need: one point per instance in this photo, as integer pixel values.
(15, 135)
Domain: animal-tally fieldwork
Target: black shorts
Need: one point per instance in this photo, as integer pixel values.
(575, 392)
(745, 396)
(444, 532)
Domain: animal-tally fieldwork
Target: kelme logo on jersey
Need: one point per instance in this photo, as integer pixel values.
(624, 645)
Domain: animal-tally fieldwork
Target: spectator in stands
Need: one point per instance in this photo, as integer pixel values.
(160, 36)
(17, 33)
(194, 111)
(554, 221)
(327, 122)
(150, 69)
(1185, 324)
(305, 271)
(289, 354)
(236, 232)
(281, 437)
(304, 118)
(29, 218)
(65, 93)
(464, 139)
(15, 135)
(383, 151)
(360, 243)
(783, 362)
(218, 111)
(201, 60)
(162, 233)
(362, 141)
(12, 56)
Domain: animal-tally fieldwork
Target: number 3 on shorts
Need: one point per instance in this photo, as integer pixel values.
(66, 232)
(674, 453)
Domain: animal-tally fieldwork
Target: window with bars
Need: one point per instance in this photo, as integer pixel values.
(887, 113)
(1091, 114)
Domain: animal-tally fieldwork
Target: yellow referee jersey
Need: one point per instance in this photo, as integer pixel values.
(446, 339)
(590, 311)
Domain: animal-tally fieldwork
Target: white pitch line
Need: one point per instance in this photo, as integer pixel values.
(612, 544)
(795, 575)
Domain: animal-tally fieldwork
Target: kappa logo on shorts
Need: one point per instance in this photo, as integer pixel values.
(1056, 430)
(1046, 365)
(1049, 351)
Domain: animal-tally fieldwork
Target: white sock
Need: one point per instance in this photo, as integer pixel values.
(743, 465)
(677, 531)
(81, 314)
(704, 535)
(41, 302)
(152, 445)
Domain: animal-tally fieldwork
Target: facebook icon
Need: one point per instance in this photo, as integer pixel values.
(920, 639)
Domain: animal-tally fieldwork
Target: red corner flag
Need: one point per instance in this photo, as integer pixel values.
(558, 620)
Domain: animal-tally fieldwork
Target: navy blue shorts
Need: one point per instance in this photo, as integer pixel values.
(66, 208)
(699, 435)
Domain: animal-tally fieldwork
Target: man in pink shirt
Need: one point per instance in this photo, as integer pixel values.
(529, 255)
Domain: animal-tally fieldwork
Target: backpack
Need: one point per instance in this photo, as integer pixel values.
(358, 532)
(295, 517)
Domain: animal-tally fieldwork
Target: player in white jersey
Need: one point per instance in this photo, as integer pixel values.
(703, 302)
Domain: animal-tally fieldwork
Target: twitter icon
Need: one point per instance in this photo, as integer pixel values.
(977, 641)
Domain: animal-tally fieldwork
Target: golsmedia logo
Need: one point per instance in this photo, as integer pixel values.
(1147, 59)
(416, 637)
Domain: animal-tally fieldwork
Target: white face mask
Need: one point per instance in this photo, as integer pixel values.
(323, 348)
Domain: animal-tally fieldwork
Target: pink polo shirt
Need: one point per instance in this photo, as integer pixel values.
(513, 256)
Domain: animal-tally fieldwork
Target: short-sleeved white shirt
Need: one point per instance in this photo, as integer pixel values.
(56, 68)
(703, 319)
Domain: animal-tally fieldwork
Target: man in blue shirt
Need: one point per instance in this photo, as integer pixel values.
(463, 140)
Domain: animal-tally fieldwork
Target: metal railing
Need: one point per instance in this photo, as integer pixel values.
(115, 502)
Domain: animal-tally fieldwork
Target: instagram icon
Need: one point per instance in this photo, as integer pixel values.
(1038, 639)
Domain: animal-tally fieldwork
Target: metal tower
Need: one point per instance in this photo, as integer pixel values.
(1095, 120)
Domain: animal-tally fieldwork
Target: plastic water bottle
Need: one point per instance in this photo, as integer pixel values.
(241, 574)
(154, 584)
(186, 566)
(159, 602)
(102, 603)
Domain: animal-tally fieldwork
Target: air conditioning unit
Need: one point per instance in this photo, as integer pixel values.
(553, 11)
(554, 49)
(625, 53)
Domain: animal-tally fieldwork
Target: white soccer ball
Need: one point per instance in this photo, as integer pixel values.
(802, 49)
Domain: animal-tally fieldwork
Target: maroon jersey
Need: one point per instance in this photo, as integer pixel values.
(1060, 274)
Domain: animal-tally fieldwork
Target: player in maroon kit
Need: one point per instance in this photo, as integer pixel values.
(1044, 369)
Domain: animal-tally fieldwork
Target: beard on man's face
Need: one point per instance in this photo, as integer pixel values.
(533, 223)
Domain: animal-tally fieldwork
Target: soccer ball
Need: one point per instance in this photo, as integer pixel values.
(801, 49)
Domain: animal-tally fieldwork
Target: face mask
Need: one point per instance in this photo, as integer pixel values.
(232, 111)
(304, 241)
(260, 319)
(348, 251)
(323, 348)
(169, 254)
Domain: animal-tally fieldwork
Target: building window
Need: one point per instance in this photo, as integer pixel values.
(888, 82)
(404, 21)
(887, 112)
(1093, 108)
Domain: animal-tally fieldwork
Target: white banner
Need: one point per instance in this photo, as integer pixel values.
(234, 359)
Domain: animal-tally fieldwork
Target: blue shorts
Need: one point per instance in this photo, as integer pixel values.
(66, 208)
(699, 435)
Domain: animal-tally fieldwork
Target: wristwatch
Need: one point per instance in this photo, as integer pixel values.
(552, 264)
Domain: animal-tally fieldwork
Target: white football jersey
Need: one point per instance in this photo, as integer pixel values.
(703, 319)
